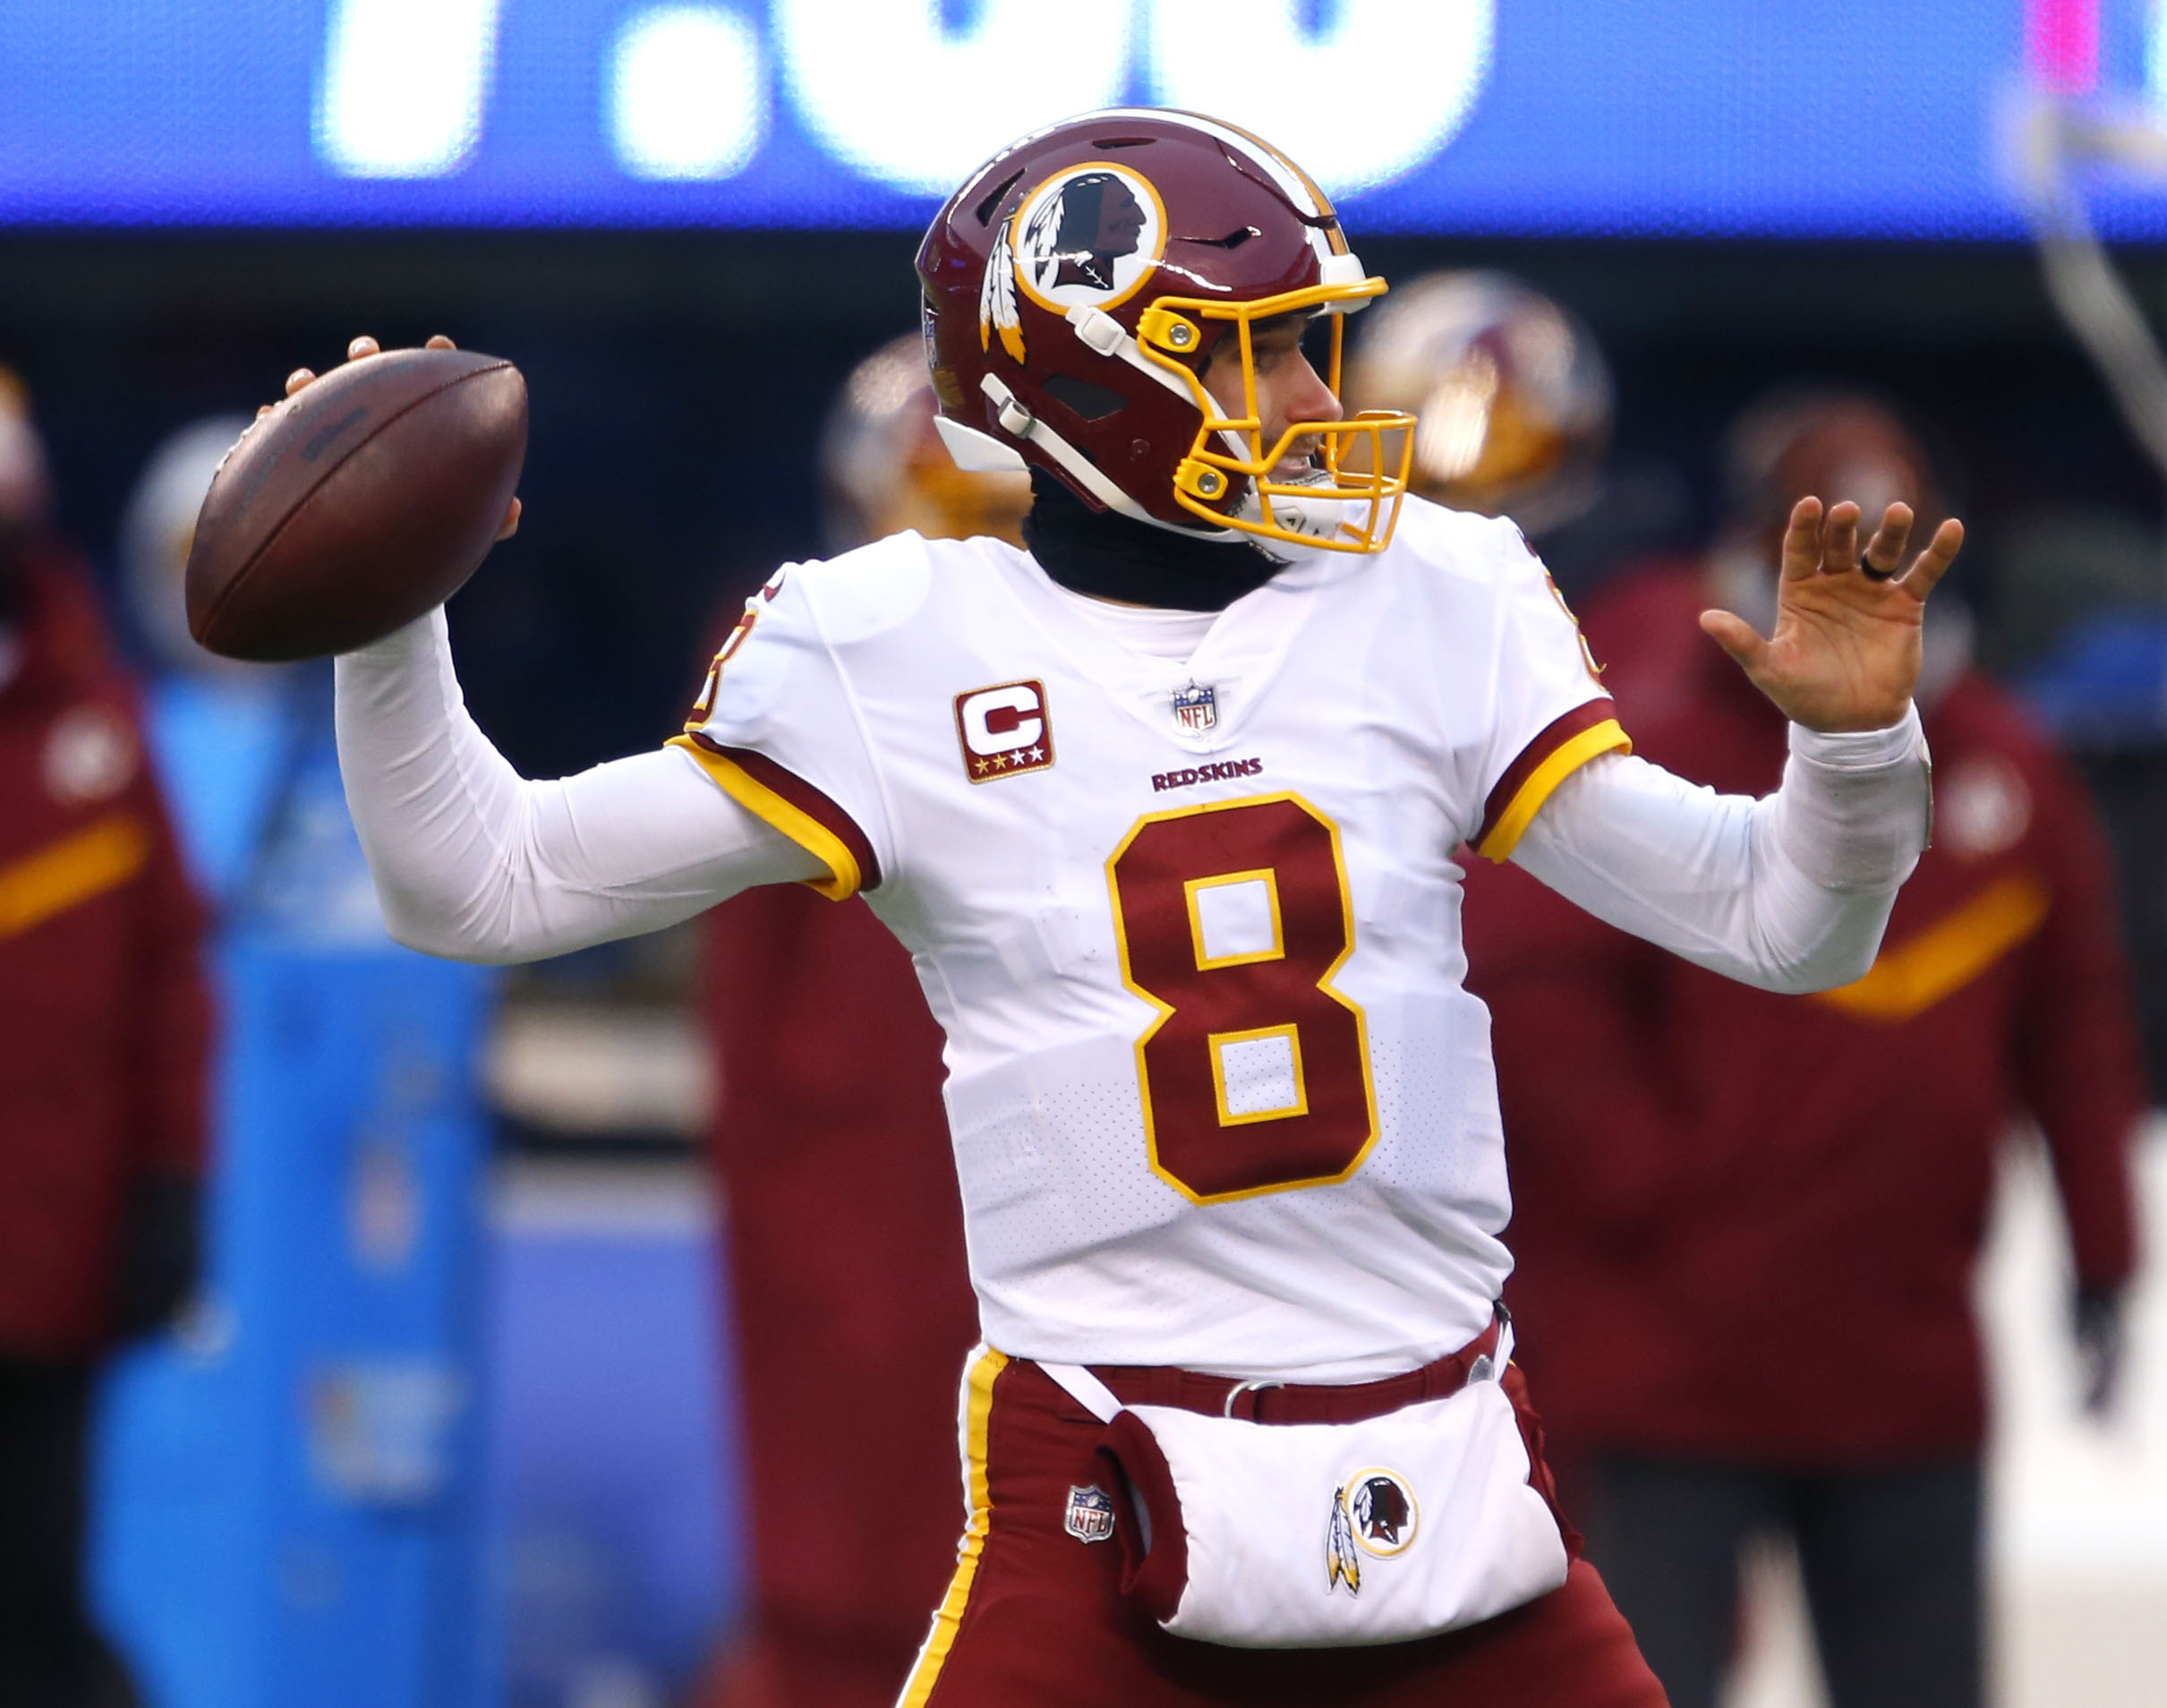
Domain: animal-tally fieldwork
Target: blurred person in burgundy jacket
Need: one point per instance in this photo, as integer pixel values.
(853, 1302)
(103, 1005)
(1516, 402)
(1747, 1223)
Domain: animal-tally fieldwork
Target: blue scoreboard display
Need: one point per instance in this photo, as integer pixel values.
(1848, 117)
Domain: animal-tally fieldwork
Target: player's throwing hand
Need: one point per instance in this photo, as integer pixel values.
(1845, 654)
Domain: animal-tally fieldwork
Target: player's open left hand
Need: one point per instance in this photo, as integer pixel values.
(1845, 654)
(359, 349)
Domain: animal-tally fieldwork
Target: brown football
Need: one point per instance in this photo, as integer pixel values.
(357, 505)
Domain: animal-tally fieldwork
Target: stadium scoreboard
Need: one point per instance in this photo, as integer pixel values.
(1823, 117)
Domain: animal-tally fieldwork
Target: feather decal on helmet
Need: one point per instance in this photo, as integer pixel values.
(997, 297)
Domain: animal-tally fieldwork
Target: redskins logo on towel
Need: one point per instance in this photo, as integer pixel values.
(1374, 1512)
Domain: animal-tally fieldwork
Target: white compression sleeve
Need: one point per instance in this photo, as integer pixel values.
(1790, 893)
(475, 864)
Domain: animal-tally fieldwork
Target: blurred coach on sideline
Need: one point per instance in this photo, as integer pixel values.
(1747, 1223)
(103, 1041)
(854, 1310)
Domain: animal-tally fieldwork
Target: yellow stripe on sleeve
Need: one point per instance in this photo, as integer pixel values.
(1542, 783)
(800, 826)
(64, 874)
(977, 1413)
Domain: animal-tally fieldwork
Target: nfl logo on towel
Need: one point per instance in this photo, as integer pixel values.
(1196, 708)
(1091, 1515)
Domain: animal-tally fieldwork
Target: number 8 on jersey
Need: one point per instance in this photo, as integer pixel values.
(1231, 917)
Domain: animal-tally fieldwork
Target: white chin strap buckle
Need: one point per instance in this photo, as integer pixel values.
(1098, 330)
(1016, 419)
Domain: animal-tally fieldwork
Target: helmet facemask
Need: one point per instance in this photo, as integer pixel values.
(1230, 475)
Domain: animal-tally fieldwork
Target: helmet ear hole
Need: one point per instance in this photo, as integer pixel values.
(1086, 400)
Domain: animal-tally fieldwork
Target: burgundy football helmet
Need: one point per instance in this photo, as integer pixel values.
(1079, 282)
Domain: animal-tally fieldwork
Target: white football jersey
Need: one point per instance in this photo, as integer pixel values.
(1219, 1098)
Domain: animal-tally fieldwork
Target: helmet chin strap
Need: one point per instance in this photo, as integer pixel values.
(1095, 329)
(1098, 330)
(1019, 421)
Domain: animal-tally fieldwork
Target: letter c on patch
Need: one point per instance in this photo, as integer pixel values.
(1001, 720)
(1005, 730)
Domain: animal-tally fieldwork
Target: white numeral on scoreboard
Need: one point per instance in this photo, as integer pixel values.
(1359, 92)
(404, 86)
(685, 95)
(1365, 96)
(893, 93)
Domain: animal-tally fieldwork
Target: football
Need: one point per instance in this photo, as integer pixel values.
(357, 505)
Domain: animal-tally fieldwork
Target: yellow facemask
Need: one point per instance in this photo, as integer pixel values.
(1365, 459)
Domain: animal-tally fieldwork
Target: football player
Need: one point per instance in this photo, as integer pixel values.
(106, 1014)
(1169, 809)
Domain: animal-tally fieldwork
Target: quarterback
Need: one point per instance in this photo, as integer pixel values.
(1169, 809)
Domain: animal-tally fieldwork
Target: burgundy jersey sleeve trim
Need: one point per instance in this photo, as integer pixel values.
(1562, 749)
(795, 807)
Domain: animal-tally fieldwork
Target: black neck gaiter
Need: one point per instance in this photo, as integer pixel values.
(1109, 556)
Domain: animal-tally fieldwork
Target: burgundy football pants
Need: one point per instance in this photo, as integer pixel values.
(1035, 1618)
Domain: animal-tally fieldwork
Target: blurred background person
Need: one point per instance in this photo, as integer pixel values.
(1514, 409)
(298, 1471)
(1513, 397)
(853, 1312)
(1746, 1265)
(106, 1019)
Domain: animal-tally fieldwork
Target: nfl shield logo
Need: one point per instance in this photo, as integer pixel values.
(1196, 708)
(1090, 1515)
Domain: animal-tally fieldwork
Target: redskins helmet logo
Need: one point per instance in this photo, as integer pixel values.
(1089, 236)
